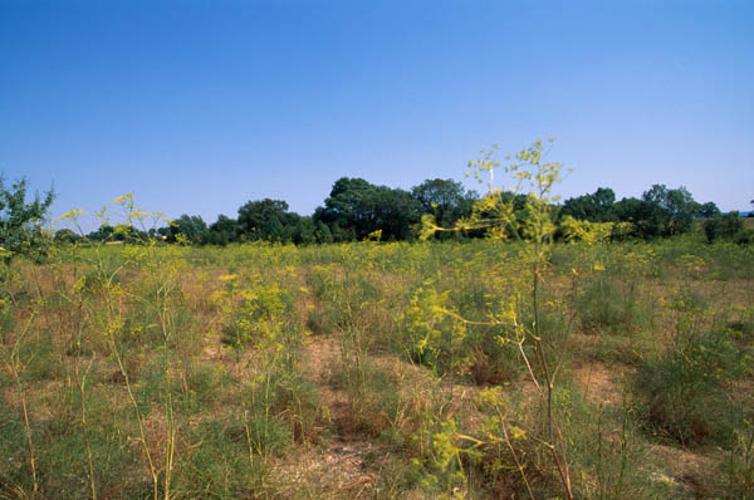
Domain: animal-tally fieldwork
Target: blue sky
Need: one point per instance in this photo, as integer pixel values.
(199, 106)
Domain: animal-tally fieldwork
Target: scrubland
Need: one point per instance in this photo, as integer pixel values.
(380, 370)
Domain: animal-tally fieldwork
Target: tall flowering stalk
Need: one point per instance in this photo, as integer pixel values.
(523, 213)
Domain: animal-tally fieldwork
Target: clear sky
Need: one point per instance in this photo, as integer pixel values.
(199, 106)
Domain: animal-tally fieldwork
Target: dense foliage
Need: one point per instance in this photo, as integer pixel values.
(21, 221)
(357, 210)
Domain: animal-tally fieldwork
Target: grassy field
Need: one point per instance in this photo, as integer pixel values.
(379, 370)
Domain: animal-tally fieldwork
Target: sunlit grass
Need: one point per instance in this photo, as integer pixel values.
(176, 371)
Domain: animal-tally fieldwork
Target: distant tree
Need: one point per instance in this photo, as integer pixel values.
(708, 209)
(188, 228)
(267, 220)
(676, 208)
(630, 209)
(303, 231)
(643, 215)
(322, 232)
(728, 226)
(66, 236)
(445, 199)
(223, 231)
(344, 210)
(355, 209)
(21, 221)
(129, 233)
(659, 212)
(394, 212)
(102, 233)
(596, 207)
(120, 232)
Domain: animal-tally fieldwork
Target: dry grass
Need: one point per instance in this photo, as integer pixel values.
(335, 404)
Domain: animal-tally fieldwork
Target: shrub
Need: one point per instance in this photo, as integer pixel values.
(218, 465)
(21, 222)
(609, 299)
(373, 395)
(725, 227)
(434, 337)
(682, 391)
(259, 318)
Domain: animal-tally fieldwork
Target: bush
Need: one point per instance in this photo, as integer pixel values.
(21, 222)
(724, 227)
(259, 319)
(605, 306)
(744, 237)
(682, 391)
(219, 465)
(373, 395)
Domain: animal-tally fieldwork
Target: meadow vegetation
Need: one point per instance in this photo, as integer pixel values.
(262, 370)
(547, 360)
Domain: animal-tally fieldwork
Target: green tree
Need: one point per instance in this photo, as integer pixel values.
(322, 232)
(596, 207)
(728, 226)
(355, 209)
(673, 210)
(66, 236)
(303, 231)
(445, 199)
(21, 221)
(708, 209)
(104, 232)
(128, 233)
(188, 228)
(267, 220)
(223, 231)
(660, 212)
(343, 210)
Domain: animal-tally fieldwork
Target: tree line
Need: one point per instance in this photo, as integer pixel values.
(357, 210)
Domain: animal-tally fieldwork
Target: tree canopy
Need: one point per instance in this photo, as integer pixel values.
(267, 220)
(21, 220)
(595, 207)
(445, 199)
(356, 209)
